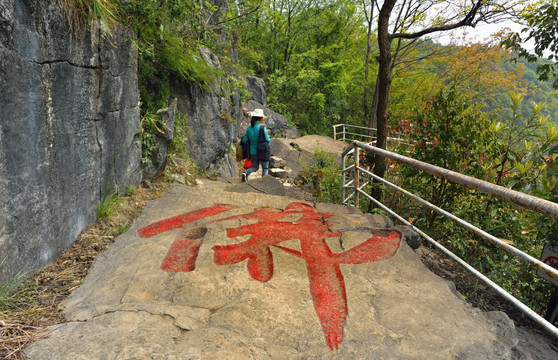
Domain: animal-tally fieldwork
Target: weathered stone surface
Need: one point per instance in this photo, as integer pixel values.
(277, 162)
(397, 309)
(256, 86)
(413, 238)
(263, 185)
(279, 173)
(69, 134)
(310, 143)
(213, 114)
(274, 122)
(226, 167)
(281, 148)
(290, 133)
(159, 155)
(532, 347)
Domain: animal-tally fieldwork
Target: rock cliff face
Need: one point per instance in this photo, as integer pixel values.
(213, 115)
(217, 119)
(69, 129)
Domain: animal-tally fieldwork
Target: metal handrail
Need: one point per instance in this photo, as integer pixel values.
(527, 201)
(401, 137)
(343, 133)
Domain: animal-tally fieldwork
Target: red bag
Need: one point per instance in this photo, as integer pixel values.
(248, 163)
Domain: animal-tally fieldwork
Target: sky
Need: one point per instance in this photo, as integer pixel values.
(481, 33)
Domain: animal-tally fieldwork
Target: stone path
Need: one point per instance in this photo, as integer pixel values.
(221, 271)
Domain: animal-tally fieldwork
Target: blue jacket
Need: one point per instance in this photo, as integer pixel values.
(252, 134)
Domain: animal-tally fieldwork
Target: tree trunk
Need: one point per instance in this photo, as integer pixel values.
(384, 83)
(369, 19)
(373, 119)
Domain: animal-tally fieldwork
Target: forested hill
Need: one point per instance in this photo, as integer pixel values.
(493, 75)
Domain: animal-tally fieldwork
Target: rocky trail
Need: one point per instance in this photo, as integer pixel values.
(251, 271)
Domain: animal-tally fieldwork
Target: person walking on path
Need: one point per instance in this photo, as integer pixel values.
(252, 135)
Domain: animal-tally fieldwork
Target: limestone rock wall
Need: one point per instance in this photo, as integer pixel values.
(68, 132)
(213, 114)
(217, 118)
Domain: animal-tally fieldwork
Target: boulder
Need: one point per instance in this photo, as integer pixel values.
(256, 87)
(260, 282)
(290, 133)
(297, 153)
(279, 173)
(164, 139)
(411, 237)
(277, 162)
(226, 167)
(274, 122)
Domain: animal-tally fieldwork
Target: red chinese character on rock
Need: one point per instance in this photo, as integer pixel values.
(311, 229)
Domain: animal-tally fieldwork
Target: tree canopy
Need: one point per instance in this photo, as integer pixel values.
(541, 20)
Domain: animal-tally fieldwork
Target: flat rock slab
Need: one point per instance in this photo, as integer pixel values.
(148, 297)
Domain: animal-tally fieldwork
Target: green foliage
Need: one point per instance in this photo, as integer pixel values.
(122, 228)
(168, 37)
(177, 152)
(150, 125)
(321, 176)
(542, 30)
(7, 287)
(451, 133)
(102, 10)
(131, 190)
(519, 153)
(528, 145)
(178, 144)
(309, 54)
(80, 12)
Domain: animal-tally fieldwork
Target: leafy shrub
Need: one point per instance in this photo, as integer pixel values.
(80, 12)
(451, 133)
(321, 176)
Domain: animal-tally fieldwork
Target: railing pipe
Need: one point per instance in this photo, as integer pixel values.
(524, 308)
(353, 126)
(552, 272)
(542, 206)
(346, 132)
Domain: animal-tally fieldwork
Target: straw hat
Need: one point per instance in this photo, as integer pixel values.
(259, 113)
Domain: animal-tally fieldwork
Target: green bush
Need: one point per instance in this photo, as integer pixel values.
(451, 133)
(321, 176)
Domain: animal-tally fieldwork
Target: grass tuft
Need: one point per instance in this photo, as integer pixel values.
(109, 206)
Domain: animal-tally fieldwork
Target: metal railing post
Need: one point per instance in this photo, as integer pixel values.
(357, 153)
(343, 163)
